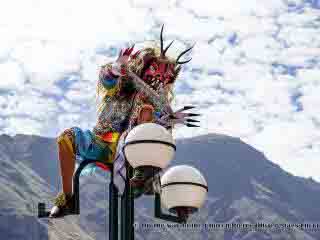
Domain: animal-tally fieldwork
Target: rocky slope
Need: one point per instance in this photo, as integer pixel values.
(244, 187)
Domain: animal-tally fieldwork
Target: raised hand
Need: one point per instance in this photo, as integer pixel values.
(120, 66)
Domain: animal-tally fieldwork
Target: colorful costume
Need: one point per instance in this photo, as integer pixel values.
(144, 83)
(135, 89)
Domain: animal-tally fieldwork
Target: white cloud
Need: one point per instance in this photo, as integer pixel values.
(11, 76)
(254, 64)
(23, 125)
(45, 62)
(234, 8)
(293, 19)
(299, 56)
(291, 144)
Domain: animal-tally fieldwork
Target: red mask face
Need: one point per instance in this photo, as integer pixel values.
(158, 74)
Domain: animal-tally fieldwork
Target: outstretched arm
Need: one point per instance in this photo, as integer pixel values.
(178, 117)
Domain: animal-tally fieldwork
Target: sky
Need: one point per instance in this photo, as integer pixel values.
(254, 74)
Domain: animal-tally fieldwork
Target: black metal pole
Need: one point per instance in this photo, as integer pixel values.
(76, 180)
(113, 198)
(113, 202)
(131, 203)
(127, 208)
(113, 210)
(123, 215)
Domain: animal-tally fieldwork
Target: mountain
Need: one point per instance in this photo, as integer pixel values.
(244, 188)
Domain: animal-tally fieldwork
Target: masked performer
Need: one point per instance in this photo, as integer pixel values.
(136, 88)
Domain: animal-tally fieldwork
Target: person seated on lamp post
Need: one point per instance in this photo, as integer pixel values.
(148, 70)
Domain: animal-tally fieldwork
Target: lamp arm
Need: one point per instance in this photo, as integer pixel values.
(42, 212)
(159, 214)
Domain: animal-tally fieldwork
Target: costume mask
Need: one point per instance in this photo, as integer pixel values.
(158, 74)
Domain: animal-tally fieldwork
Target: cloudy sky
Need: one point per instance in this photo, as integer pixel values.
(255, 72)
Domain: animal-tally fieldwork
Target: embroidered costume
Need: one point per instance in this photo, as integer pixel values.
(136, 88)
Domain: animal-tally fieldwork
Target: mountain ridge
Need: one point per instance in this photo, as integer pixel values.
(244, 187)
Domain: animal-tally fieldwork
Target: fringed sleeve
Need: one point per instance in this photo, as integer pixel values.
(107, 86)
(108, 82)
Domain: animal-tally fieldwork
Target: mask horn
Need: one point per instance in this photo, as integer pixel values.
(181, 54)
(163, 51)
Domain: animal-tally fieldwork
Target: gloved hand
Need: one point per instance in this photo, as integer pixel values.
(120, 67)
(169, 120)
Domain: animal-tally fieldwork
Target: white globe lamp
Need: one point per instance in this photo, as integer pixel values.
(183, 187)
(149, 144)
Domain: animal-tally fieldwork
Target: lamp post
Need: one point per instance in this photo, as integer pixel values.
(113, 199)
(182, 188)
